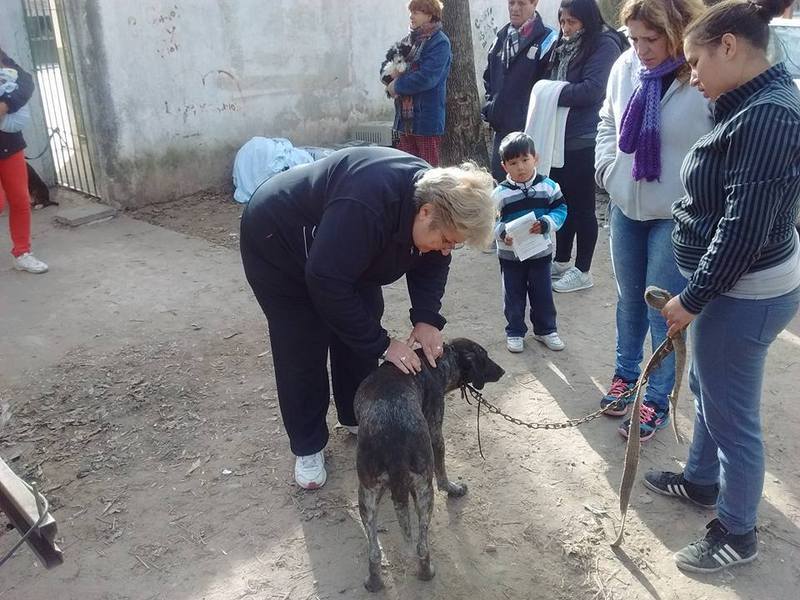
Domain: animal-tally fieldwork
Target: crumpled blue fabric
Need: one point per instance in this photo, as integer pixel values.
(260, 159)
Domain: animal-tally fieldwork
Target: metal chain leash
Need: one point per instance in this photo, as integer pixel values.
(467, 390)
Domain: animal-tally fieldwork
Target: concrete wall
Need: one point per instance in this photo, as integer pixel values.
(173, 89)
(14, 40)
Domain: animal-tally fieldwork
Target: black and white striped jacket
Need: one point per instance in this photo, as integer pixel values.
(743, 188)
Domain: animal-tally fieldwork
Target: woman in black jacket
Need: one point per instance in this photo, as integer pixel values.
(14, 94)
(583, 57)
(318, 242)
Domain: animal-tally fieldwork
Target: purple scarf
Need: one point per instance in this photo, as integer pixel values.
(640, 129)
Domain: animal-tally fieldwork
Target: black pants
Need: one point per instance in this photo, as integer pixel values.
(300, 340)
(498, 172)
(528, 281)
(576, 179)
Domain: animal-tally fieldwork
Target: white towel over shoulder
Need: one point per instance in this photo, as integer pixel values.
(547, 124)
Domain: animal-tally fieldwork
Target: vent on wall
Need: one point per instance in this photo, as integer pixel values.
(373, 132)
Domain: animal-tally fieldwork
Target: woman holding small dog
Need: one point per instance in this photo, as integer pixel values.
(16, 90)
(420, 91)
(319, 241)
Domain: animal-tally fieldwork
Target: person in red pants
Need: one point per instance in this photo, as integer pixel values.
(13, 170)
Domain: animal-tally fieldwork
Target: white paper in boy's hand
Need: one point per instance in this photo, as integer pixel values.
(525, 243)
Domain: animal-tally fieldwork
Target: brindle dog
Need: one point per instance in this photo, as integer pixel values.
(400, 442)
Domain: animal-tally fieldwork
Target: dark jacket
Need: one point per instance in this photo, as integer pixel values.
(509, 90)
(742, 189)
(587, 76)
(11, 143)
(343, 224)
(426, 83)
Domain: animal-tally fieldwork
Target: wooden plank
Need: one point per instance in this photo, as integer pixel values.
(19, 504)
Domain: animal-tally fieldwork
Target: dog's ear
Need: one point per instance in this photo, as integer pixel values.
(471, 367)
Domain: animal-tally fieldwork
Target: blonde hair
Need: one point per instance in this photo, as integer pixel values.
(429, 7)
(670, 17)
(462, 200)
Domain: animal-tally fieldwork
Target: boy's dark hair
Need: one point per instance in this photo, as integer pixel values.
(516, 144)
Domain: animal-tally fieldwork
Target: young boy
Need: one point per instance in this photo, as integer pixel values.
(524, 191)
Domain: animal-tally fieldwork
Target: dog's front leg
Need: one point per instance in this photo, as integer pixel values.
(442, 482)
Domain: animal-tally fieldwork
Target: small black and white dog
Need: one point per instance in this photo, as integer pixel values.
(396, 62)
(401, 446)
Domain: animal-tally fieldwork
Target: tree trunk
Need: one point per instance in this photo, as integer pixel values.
(464, 135)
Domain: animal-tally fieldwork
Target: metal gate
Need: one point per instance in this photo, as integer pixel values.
(46, 24)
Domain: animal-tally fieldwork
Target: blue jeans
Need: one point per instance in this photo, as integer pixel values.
(641, 255)
(528, 279)
(727, 447)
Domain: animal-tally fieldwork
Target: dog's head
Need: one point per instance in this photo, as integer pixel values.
(474, 362)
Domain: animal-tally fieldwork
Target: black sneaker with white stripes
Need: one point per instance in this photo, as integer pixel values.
(718, 550)
(674, 484)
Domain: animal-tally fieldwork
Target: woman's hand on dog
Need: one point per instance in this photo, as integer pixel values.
(403, 357)
(430, 340)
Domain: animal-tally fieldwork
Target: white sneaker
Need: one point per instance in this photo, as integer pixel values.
(28, 262)
(515, 344)
(551, 340)
(557, 269)
(491, 248)
(573, 280)
(309, 471)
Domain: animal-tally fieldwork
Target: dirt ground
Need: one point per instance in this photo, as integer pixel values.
(149, 417)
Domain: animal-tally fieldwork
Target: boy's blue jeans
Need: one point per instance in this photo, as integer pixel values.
(729, 340)
(641, 255)
(523, 280)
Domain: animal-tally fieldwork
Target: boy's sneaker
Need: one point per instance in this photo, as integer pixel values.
(557, 269)
(309, 471)
(675, 485)
(619, 386)
(651, 419)
(551, 340)
(718, 550)
(491, 248)
(515, 344)
(28, 262)
(573, 280)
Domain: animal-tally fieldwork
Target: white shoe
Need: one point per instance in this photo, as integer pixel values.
(491, 249)
(28, 262)
(309, 471)
(515, 344)
(557, 269)
(551, 340)
(573, 280)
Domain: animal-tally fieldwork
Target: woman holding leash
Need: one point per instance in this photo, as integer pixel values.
(319, 241)
(16, 89)
(735, 242)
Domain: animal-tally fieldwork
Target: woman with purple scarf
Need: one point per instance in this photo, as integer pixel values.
(420, 92)
(650, 119)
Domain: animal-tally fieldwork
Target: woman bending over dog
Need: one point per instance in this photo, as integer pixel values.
(319, 241)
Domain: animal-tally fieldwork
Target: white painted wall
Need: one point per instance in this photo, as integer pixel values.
(187, 82)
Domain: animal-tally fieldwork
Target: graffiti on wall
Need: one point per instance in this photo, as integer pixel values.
(486, 27)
